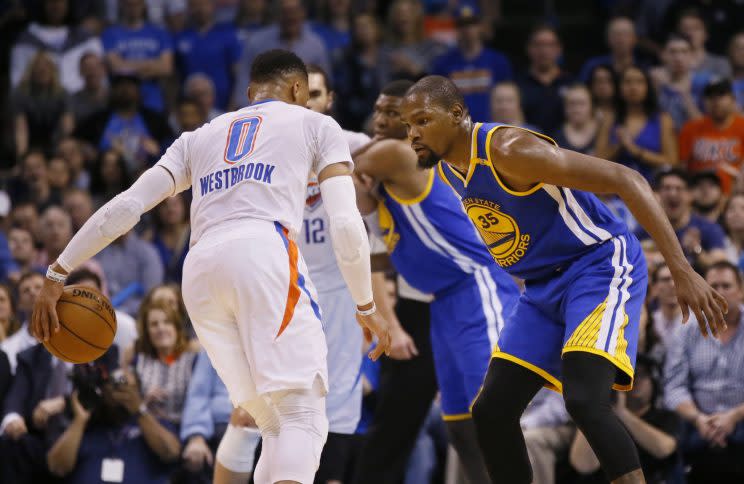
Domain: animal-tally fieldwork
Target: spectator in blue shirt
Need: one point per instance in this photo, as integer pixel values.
(543, 83)
(358, 80)
(138, 48)
(622, 40)
(335, 28)
(680, 88)
(291, 33)
(116, 440)
(210, 48)
(137, 133)
(250, 18)
(473, 68)
(132, 267)
(7, 264)
(736, 58)
(703, 242)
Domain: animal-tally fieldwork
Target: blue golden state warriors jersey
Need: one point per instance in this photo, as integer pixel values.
(430, 240)
(530, 234)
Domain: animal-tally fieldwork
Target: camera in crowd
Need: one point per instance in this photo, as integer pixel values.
(88, 379)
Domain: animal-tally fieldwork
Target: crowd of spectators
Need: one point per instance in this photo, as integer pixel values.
(96, 90)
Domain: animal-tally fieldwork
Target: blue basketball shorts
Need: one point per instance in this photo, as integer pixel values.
(593, 305)
(465, 324)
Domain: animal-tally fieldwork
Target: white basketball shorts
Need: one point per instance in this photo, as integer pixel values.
(254, 309)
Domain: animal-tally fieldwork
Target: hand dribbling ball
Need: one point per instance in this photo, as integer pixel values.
(87, 325)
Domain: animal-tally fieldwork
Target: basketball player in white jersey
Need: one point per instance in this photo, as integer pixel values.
(245, 284)
(343, 336)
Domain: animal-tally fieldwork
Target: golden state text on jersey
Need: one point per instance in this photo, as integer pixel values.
(499, 231)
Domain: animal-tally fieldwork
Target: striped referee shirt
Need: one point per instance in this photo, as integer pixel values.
(704, 370)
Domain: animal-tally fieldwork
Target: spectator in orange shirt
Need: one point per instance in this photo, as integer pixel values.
(715, 141)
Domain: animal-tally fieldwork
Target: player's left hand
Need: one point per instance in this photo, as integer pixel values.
(44, 321)
(694, 294)
(376, 325)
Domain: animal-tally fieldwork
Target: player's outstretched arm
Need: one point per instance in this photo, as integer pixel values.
(351, 246)
(385, 160)
(524, 160)
(111, 221)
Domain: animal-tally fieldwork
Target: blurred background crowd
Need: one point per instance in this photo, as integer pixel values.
(95, 90)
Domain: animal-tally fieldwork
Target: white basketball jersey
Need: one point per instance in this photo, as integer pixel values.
(254, 164)
(313, 239)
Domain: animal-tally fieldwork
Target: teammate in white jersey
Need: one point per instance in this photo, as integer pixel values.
(344, 399)
(245, 284)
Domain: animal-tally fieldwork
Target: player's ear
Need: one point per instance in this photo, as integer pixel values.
(296, 87)
(248, 93)
(331, 100)
(457, 113)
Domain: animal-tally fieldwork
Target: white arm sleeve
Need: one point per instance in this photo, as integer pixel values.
(349, 236)
(117, 217)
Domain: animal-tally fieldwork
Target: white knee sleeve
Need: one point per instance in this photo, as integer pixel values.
(302, 435)
(237, 448)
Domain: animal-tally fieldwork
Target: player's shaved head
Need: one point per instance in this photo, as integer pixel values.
(279, 74)
(439, 90)
(397, 88)
(275, 65)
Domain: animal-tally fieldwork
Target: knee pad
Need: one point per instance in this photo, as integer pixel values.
(237, 448)
(265, 414)
(303, 423)
(303, 410)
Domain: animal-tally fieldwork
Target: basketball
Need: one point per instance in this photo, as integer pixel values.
(87, 325)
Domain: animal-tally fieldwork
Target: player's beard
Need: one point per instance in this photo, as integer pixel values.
(429, 161)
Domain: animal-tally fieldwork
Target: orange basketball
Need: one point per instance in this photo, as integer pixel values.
(87, 325)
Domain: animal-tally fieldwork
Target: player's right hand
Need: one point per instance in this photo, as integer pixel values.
(376, 325)
(44, 321)
(696, 296)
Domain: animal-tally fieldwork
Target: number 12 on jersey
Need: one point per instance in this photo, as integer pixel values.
(314, 229)
(241, 138)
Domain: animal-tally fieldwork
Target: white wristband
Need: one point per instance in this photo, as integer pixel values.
(367, 312)
(55, 276)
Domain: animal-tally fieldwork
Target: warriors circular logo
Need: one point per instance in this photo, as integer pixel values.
(499, 231)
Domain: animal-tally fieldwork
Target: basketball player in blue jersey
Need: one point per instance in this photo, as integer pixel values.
(434, 247)
(575, 328)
